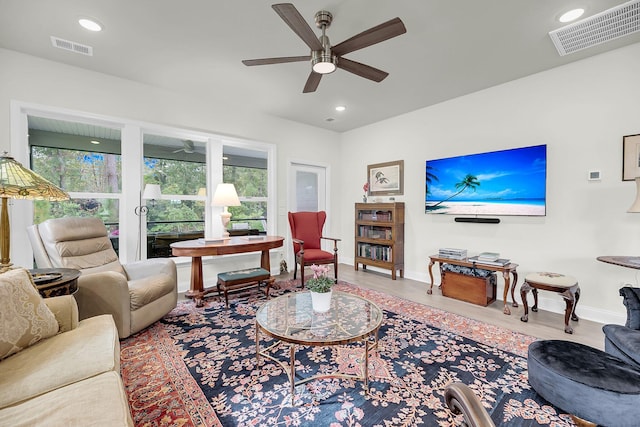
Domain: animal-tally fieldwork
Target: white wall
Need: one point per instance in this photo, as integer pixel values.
(32, 80)
(581, 111)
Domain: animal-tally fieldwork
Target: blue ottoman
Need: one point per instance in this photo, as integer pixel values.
(585, 382)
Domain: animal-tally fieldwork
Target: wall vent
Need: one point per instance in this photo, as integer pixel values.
(71, 46)
(611, 24)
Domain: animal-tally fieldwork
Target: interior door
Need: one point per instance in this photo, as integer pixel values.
(307, 192)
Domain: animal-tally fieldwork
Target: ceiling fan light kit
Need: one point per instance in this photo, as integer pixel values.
(324, 57)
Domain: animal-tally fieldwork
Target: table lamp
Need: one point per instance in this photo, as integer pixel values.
(225, 196)
(635, 207)
(18, 182)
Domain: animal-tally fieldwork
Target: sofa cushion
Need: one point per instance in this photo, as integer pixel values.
(97, 401)
(86, 351)
(24, 317)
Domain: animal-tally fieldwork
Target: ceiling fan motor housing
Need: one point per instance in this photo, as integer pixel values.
(323, 19)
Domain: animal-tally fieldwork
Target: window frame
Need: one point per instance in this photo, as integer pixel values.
(132, 132)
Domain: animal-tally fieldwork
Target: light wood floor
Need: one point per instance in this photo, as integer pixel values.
(543, 324)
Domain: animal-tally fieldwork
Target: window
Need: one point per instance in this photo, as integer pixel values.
(88, 168)
(104, 164)
(180, 168)
(247, 170)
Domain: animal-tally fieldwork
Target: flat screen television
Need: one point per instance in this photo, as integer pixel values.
(506, 182)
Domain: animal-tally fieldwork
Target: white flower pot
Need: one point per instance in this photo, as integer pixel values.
(321, 302)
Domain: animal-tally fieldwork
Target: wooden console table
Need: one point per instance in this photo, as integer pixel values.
(622, 261)
(504, 269)
(196, 249)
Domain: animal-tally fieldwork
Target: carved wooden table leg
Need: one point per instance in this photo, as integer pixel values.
(513, 288)
(505, 294)
(523, 295)
(430, 290)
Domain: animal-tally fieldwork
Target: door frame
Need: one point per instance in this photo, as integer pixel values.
(292, 165)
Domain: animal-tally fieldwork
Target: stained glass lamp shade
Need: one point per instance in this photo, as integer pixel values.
(18, 182)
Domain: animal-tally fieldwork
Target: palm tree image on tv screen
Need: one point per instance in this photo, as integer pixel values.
(507, 182)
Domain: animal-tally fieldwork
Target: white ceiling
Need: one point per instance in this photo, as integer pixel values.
(451, 48)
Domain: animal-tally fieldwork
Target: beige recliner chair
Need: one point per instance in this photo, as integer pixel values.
(136, 294)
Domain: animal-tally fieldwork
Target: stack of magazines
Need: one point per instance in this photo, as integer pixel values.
(452, 253)
(490, 258)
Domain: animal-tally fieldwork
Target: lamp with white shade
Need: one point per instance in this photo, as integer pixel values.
(225, 196)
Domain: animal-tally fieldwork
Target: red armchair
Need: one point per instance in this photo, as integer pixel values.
(306, 233)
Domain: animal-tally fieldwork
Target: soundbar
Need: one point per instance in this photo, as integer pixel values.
(478, 220)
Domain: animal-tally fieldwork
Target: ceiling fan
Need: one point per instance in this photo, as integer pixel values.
(324, 57)
(187, 147)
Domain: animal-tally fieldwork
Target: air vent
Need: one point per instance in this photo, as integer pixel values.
(71, 46)
(611, 24)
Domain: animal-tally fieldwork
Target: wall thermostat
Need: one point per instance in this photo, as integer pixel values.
(594, 176)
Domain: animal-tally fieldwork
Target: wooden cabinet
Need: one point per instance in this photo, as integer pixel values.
(379, 236)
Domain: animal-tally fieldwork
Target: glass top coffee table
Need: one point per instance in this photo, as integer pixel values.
(290, 319)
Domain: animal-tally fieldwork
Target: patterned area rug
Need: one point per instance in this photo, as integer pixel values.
(197, 367)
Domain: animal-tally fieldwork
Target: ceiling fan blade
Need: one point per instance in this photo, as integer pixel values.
(312, 82)
(296, 22)
(267, 61)
(362, 70)
(373, 35)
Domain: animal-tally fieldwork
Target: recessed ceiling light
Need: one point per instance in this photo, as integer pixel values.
(93, 141)
(341, 108)
(90, 24)
(571, 15)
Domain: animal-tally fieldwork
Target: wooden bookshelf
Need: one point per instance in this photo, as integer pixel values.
(379, 236)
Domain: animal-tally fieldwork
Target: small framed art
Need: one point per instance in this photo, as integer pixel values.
(386, 179)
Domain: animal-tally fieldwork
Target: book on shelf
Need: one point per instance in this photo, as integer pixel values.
(500, 262)
(488, 256)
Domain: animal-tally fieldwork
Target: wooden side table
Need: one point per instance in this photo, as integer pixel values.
(506, 270)
(54, 282)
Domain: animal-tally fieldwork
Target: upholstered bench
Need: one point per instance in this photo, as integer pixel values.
(566, 286)
(243, 279)
(585, 382)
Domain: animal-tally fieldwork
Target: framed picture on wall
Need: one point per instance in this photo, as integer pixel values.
(386, 179)
(630, 157)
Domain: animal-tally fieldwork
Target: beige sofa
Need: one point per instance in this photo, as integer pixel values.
(69, 379)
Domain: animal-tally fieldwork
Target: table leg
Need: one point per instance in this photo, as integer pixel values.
(265, 262)
(505, 296)
(524, 289)
(513, 288)
(366, 364)
(196, 286)
(257, 344)
(430, 290)
(292, 360)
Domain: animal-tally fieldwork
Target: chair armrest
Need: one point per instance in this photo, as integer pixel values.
(298, 241)
(151, 267)
(623, 343)
(335, 241)
(106, 292)
(65, 309)
(462, 400)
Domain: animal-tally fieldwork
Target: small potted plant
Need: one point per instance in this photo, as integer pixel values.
(320, 288)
